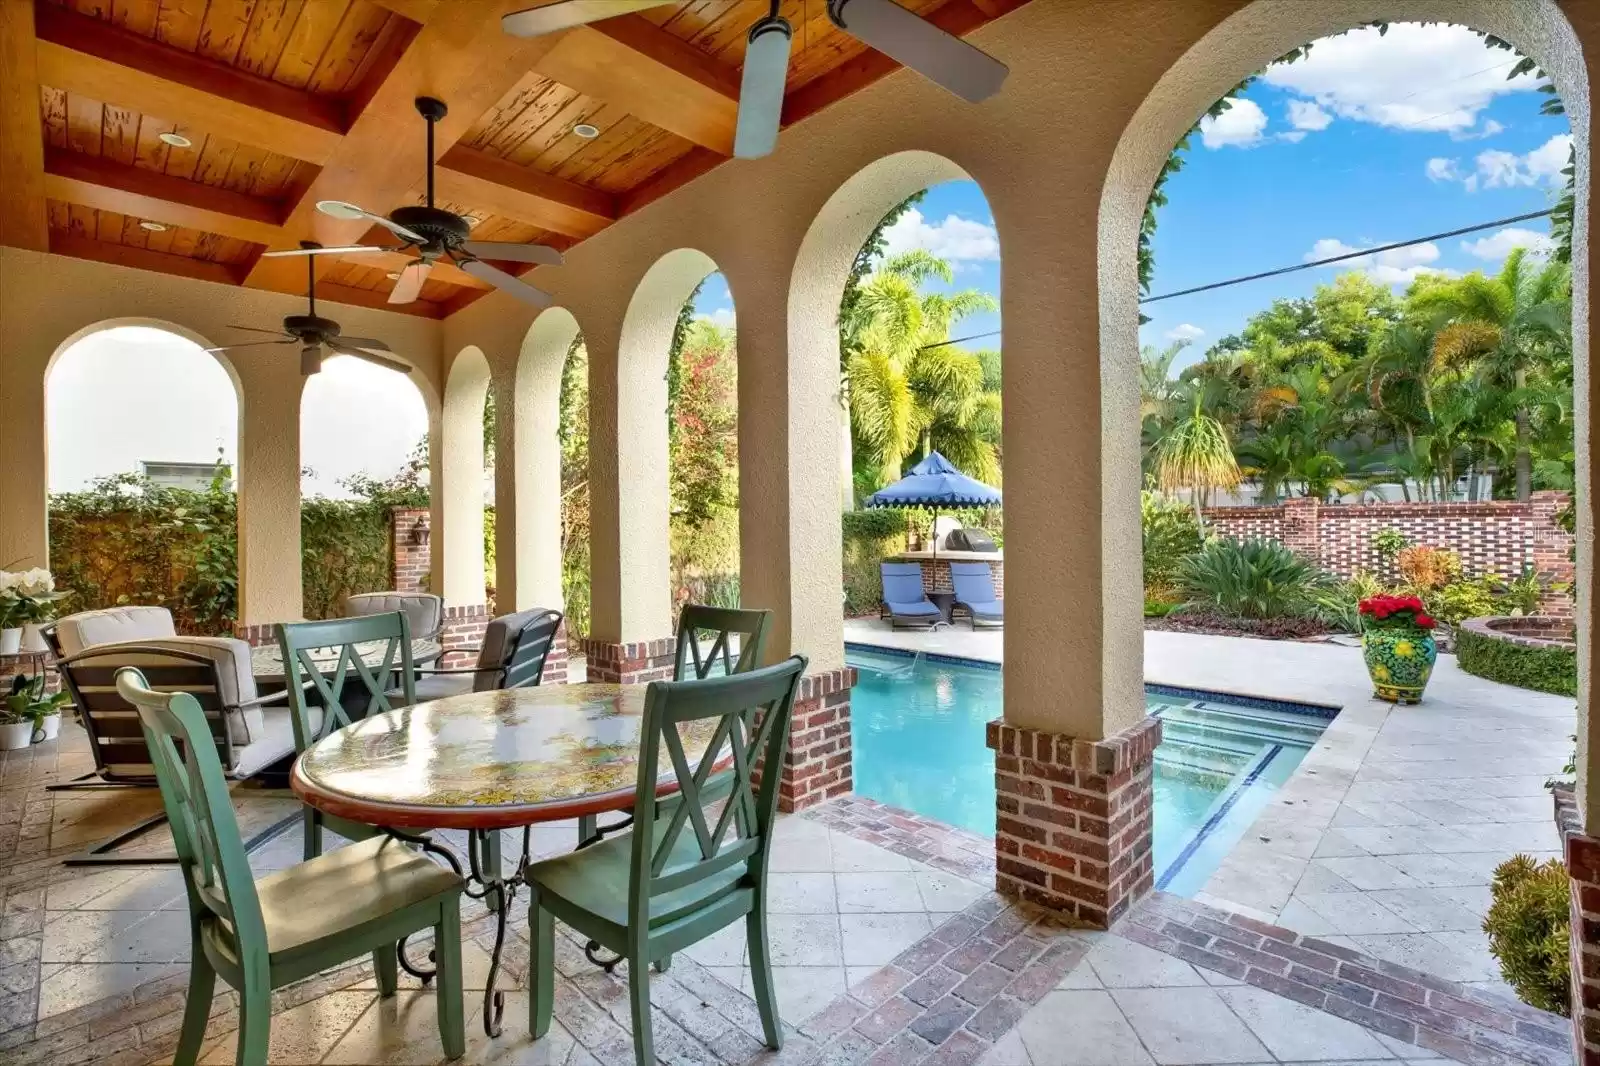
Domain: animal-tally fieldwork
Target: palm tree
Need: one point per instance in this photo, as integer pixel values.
(1504, 330)
(1196, 453)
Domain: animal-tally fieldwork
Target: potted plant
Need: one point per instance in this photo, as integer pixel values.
(30, 706)
(10, 617)
(1397, 645)
(26, 600)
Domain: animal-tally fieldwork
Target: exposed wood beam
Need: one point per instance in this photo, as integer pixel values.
(143, 258)
(419, 11)
(504, 188)
(644, 70)
(95, 181)
(679, 172)
(86, 55)
(462, 57)
(23, 222)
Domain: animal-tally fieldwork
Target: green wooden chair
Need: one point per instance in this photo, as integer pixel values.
(262, 935)
(391, 684)
(659, 889)
(704, 644)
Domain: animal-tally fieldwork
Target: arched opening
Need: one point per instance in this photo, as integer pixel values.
(364, 442)
(549, 552)
(459, 551)
(142, 429)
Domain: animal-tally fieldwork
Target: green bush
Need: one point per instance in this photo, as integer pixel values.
(1461, 600)
(1170, 534)
(1553, 668)
(1250, 579)
(1528, 929)
(871, 533)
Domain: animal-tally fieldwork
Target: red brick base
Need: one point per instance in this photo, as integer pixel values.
(817, 765)
(1075, 818)
(462, 634)
(255, 635)
(1583, 866)
(555, 661)
(630, 664)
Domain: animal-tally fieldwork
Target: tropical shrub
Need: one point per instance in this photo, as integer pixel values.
(1169, 534)
(1550, 668)
(1528, 926)
(1425, 568)
(1250, 579)
(1388, 543)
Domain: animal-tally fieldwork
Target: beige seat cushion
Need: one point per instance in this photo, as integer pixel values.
(274, 740)
(87, 629)
(423, 610)
(236, 684)
(339, 891)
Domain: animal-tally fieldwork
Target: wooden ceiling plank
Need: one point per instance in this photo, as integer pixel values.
(577, 108)
(136, 16)
(85, 123)
(309, 41)
(503, 188)
(24, 220)
(419, 11)
(222, 33)
(688, 167)
(85, 247)
(88, 56)
(179, 22)
(119, 134)
(347, 49)
(380, 60)
(100, 183)
(270, 26)
(649, 73)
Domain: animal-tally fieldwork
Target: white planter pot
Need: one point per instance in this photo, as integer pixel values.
(33, 639)
(51, 724)
(14, 735)
(10, 640)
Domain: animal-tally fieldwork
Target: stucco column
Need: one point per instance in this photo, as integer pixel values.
(269, 494)
(527, 488)
(23, 522)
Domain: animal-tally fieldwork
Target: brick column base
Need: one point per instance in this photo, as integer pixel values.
(1075, 818)
(255, 635)
(817, 765)
(462, 634)
(630, 664)
(1583, 866)
(555, 660)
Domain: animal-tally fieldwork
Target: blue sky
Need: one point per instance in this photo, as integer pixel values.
(1371, 139)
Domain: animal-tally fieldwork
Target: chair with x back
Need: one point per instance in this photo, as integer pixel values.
(319, 660)
(706, 641)
(688, 869)
(313, 916)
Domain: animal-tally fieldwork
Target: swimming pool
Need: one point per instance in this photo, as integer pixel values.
(917, 723)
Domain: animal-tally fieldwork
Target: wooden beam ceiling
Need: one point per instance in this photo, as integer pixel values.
(23, 222)
(503, 188)
(96, 181)
(79, 247)
(87, 55)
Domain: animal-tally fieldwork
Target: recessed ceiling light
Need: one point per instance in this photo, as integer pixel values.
(586, 130)
(153, 227)
(177, 140)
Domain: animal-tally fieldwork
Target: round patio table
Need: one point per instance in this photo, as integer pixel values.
(488, 761)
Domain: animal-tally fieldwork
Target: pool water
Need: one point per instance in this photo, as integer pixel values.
(918, 729)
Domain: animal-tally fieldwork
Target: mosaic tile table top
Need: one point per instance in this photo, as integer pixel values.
(266, 661)
(490, 759)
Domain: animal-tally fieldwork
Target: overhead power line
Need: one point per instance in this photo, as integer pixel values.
(1298, 266)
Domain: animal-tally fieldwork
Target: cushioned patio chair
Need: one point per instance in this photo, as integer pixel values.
(974, 584)
(423, 610)
(688, 869)
(903, 598)
(513, 653)
(261, 935)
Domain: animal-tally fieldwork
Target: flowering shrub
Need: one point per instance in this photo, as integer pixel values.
(1378, 612)
(26, 596)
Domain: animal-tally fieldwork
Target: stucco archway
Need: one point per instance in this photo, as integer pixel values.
(457, 482)
(528, 555)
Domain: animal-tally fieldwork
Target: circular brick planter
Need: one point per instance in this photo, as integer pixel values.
(1531, 651)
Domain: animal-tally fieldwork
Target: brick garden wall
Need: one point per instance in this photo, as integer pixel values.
(1499, 538)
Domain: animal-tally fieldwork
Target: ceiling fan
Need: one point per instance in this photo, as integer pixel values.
(318, 336)
(941, 57)
(433, 233)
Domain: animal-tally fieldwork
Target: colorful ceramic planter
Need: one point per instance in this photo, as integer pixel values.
(1399, 661)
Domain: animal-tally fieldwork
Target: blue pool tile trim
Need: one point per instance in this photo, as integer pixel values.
(1218, 815)
(925, 656)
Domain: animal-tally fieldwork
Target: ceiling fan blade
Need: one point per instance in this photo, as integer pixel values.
(352, 213)
(258, 329)
(364, 342)
(249, 344)
(565, 14)
(508, 283)
(542, 254)
(410, 283)
(766, 69)
(310, 360)
(941, 57)
(348, 249)
(371, 357)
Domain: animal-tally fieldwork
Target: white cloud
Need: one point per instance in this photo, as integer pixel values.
(721, 317)
(956, 239)
(1543, 165)
(1443, 170)
(1305, 115)
(1499, 245)
(1293, 136)
(1186, 331)
(1414, 76)
(1489, 128)
(1241, 125)
(1398, 266)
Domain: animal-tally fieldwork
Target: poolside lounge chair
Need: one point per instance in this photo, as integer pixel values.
(907, 604)
(974, 583)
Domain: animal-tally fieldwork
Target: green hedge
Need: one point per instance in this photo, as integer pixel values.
(1548, 669)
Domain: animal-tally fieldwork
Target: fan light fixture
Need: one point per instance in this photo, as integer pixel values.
(153, 227)
(587, 130)
(176, 140)
(341, 210)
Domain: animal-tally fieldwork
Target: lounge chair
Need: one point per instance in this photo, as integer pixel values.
(903, 597)
(974, 584)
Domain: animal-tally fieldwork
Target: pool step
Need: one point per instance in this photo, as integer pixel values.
(1254, 726)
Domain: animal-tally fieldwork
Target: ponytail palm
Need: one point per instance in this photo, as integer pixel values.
(1196, 454)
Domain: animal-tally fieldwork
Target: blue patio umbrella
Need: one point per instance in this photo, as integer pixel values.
(935, 484)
